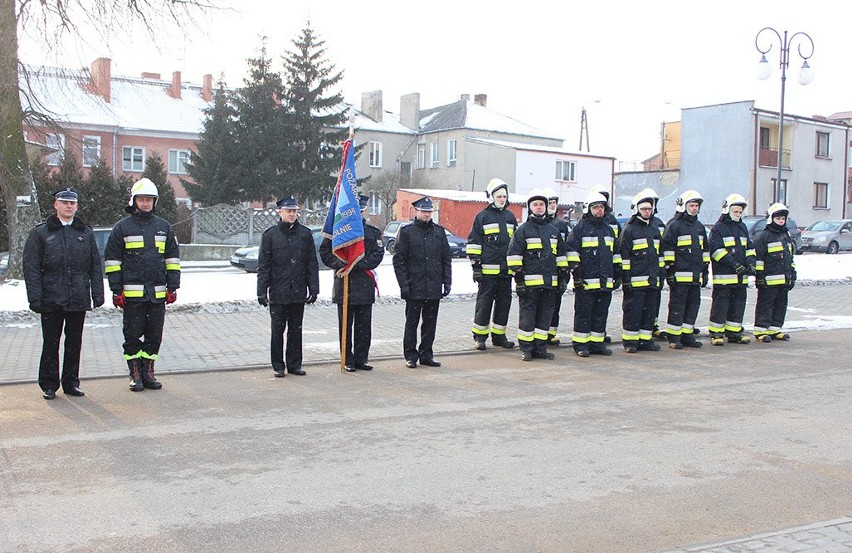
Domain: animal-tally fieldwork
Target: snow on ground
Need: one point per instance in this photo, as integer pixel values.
(208, 283)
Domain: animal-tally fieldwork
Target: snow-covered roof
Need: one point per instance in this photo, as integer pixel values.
(470, 115)
(462, 195)
(531, 147)
(135, 103)
(389, 123)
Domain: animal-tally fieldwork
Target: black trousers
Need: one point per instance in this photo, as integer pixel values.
(684, 303)
(359, 323)
(591, 309)
(414, 310)
(727, 310)
(143, 318)
(287, 317)
(494, 294)
(52, 324)
(535, 312)
(554, 320)
(639, 311)
(771, 310)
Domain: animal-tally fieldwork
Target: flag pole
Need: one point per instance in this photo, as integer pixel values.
(345, 324)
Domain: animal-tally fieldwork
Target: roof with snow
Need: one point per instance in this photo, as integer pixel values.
(465, 114)
(532, 147)
(389, 123)
(462, 195)
(136, 103)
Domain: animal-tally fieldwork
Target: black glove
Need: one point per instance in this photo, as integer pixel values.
(751, 270)
(616, 283)
(263, 301)
(626, 286)
(36, 306)
(563, 283)
(404, 293)
(705, 279)
(792, 283)
(477, 272)
(760, 282)
(312, 297)
(741, 269)
(446, 291)
(98, 303)
(520, 289)
(670, 279)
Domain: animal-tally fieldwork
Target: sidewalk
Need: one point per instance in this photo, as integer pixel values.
(236, 335)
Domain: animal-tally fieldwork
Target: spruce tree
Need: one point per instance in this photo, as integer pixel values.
(213, 166)
(314, 107)
(102, 200)
(69, 175)
(155, 170)
(43, 185)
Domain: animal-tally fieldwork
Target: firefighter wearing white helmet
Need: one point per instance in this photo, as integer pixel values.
(609, 216)
(656, 222)
(565, 277)
(687, 257)
(641, 276)
(592, 246)
(487, 248)
(537, 257)
(776, 274)
(732, 259)
(142, 262)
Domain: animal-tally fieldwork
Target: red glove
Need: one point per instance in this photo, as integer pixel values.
(171, 296)
(118, 300)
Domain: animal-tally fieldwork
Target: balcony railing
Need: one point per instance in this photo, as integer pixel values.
(768, 157)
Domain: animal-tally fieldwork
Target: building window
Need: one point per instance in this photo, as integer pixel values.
(565, 170)
(764, 138)
(133, 158)
(823, 144)
(421, 156)
(434, 156)
(779, 193)
(91, 150)
(375, 149)
(374, 206)
(451, 153)
(820, 195)
(177, 161)
(55, 142)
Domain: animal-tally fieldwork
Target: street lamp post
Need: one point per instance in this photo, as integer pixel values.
(764, 70)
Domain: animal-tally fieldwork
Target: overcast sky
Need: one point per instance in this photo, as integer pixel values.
(539, 62)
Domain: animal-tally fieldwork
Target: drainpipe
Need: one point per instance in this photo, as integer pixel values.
(115, 153)
(756, 142)
(846, 174)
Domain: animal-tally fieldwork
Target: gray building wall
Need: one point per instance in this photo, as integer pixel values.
(489, 161)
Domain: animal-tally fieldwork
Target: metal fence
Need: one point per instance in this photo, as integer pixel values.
(241, 226)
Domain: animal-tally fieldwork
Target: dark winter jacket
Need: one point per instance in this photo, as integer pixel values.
(422, 261)
(730, 246)
(362, 283)
(537, 252)
(287, 268)
(489, 238)
(62, 267)
(612, 221)
(639, 245)
(685, 249)
(561, 226)
(142, 258)
(593, 245)
(774, 249)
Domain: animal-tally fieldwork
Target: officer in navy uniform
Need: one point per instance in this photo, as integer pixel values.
(362, 293)
(62, 271)
(287, 279)
(423, 268)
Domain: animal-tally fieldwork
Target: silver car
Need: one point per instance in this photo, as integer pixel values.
(828, 236)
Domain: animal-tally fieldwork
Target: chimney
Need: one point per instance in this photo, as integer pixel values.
(480, 99)
(409, 111)
(465, 97)
(101, 71)
(174, 90)
(371, 105)
(207, 88)
(147, 75)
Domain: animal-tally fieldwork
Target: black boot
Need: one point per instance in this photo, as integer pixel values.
(148, 379)
(502, 342)
(136, 384)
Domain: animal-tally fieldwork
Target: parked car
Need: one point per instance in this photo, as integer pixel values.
(458, 245)
(828, 236)
(756, 224)
(246, 258)
(389, 234)
(4, 262)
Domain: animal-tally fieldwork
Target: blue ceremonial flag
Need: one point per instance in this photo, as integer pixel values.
(343, 225)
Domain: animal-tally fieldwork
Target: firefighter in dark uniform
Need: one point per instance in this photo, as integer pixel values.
(423, 268)
(142, 261)
(776, 274)
(661, 227)
(487, 246)
(62, 272)
(687, 257)
(610, 219)
(564, 231)
(287, 279)
(733, 259)
(592, 244)
(641, 275)
(537, 257)
(362, 293)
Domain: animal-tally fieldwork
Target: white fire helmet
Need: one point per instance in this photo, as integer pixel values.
(536, 194)
(601, 189)
(551, 195)
(685, 198)
(143, 187)
(731, 200)
(640, 198)
(494, 185)
(593, 198)
(775, 210)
